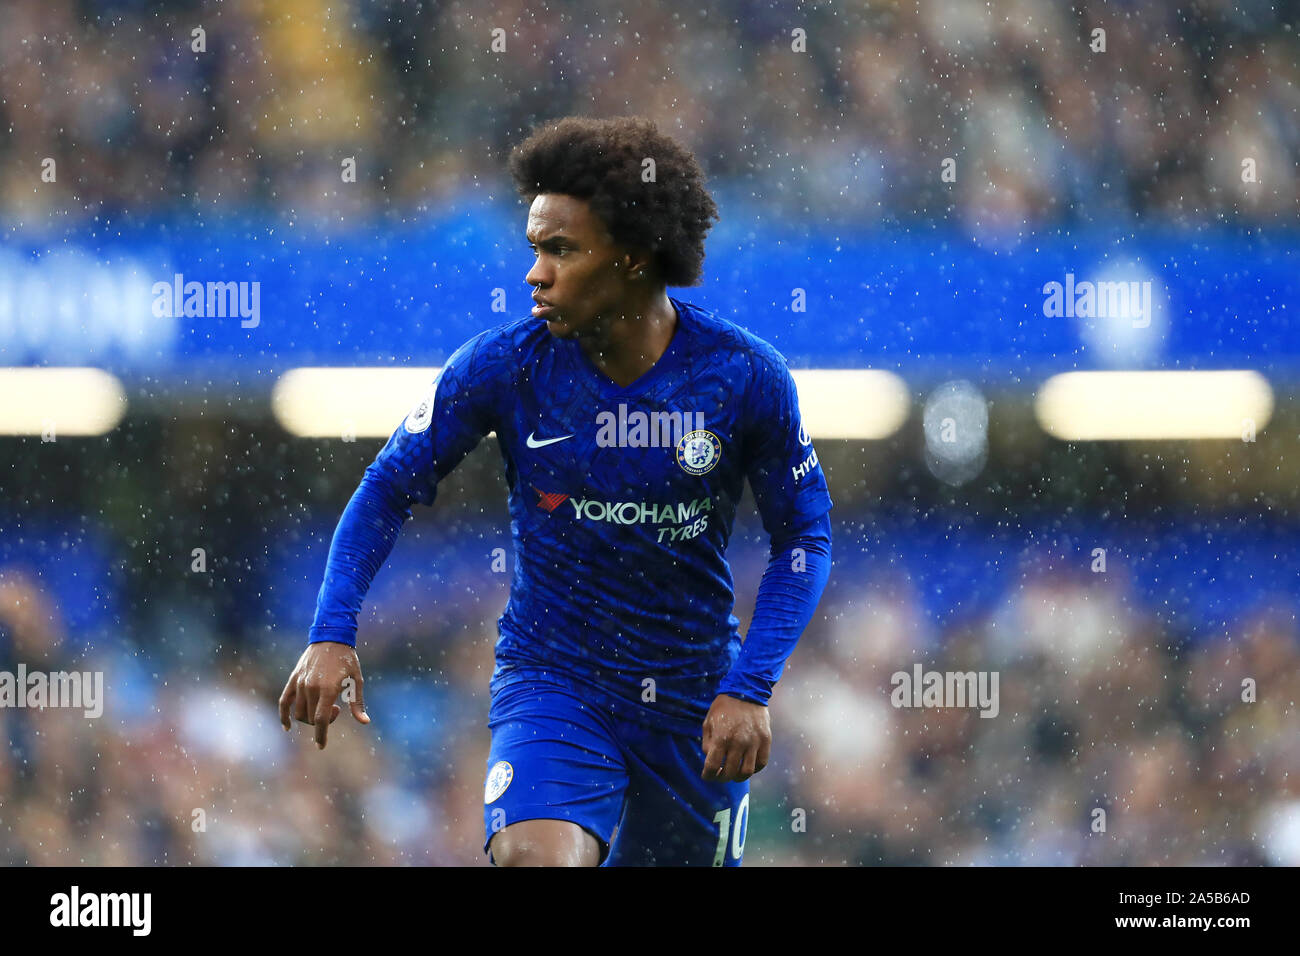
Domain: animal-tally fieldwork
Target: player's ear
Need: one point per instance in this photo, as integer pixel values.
(637, 264)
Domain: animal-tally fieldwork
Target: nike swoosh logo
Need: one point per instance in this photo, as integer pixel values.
(535, 443)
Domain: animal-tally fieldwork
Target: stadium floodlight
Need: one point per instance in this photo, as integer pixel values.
(58, 402)
(347, 402)
(370, 402)
(851, 403)
(1092, 406)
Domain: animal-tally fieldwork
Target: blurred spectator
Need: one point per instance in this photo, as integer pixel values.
(1100, 709)
(853, 127)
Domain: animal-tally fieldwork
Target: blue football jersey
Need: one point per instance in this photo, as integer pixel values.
(622, 499)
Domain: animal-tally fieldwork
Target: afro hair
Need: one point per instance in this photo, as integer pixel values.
(601, 161)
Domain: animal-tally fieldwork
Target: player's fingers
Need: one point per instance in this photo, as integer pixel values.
(731, 769)
(358, 705)
(286, 701)
(764, 753)
(325, 706)
(713, 760)
(309, 691)
(300, 710)
(749, 763)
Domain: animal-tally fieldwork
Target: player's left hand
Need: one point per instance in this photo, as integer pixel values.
(737, 739)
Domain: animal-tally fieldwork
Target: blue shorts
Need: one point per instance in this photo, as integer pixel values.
(637, 789)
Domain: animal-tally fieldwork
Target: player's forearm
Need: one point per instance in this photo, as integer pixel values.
(362, 542)
(788, 594)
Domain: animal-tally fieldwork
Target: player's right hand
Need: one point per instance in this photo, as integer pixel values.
(326, 671)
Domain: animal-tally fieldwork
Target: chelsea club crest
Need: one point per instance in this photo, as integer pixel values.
(498, 779)
(698, 452)
(422, 414)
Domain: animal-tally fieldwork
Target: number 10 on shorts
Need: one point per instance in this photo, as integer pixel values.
(723, 819)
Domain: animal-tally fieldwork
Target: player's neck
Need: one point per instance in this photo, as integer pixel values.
(627, 346)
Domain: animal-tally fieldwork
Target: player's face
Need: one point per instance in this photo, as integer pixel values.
(580, 272)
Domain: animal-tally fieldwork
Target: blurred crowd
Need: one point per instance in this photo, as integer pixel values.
(843, 112)
(1101, 709)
